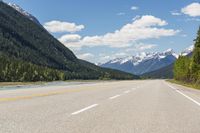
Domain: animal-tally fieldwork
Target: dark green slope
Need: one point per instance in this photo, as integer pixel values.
(22, 40)
(163, 73)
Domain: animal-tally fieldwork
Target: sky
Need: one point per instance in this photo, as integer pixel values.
(101, 30)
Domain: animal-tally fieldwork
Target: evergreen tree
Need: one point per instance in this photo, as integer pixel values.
(181, 68)
(195, 64)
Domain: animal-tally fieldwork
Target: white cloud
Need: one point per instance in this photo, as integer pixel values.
(145, 27)
(59, 26)
(193, 19)
(85, 56)
(71, 40)
(121, 54)
(105, 58)
(192, 10)
(175, 13)
(134, 8)
(68, 38)
(121, 14)
(140, 47)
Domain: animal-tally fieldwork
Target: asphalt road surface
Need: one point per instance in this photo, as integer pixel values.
(149, 106)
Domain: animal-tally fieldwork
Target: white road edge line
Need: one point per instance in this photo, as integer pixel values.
(189, 98)
(84, 109)
(114, 97)
(126, 91)
(171, 86)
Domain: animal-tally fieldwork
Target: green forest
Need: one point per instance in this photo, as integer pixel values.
(14, 70)
(187, 69)
(29, 53)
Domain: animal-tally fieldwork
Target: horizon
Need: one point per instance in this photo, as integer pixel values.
(91, 36)
(145, 61)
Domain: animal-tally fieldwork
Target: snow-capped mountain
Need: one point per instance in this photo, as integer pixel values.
(143, 62)
(23, 12)
(146, 62)
(188, 51)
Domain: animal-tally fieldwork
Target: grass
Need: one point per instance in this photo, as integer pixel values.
(191, 85)
(19, 83)
(43, 82)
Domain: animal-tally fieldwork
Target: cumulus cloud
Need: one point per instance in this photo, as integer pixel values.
(69, 38)
(192, 10)
(140, 47)
(134, 8)
(59, 26)
(121, 54)
(145, 27)
(85, 56)
(104, 59)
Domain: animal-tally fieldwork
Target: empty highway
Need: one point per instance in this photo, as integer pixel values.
(143, 106)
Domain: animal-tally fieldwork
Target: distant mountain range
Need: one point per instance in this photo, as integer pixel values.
(147, 63)
(167, 71)
(24, 42)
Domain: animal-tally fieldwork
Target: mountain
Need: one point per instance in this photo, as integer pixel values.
(142, 63)
(28, 51)
(167, 71)
(188, 51)
(23, 12)
(162, 73)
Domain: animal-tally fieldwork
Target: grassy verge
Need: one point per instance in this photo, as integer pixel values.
(191, 85)
(40, 82)
(20, 83)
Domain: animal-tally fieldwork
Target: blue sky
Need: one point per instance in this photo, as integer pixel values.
(100, 30)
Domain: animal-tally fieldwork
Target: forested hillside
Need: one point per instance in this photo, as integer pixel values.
(163, 73)
(29, 53)
(187, 69)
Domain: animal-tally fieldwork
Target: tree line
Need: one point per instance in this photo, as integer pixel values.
(15, 70)
(187, 69)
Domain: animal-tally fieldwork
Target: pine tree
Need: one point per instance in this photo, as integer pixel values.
(195, 64)
(181, 68)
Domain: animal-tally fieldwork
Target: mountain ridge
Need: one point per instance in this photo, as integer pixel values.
(25, 43)
(23, 12)
(145, 62)
(142, 63)
(167, 71)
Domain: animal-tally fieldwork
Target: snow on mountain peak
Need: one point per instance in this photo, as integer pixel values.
(23, 12)
(187, 51)
(143, 56)
(146, 61)
(142, 62)
(168, 50)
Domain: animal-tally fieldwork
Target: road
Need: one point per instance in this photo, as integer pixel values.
(148, 106)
